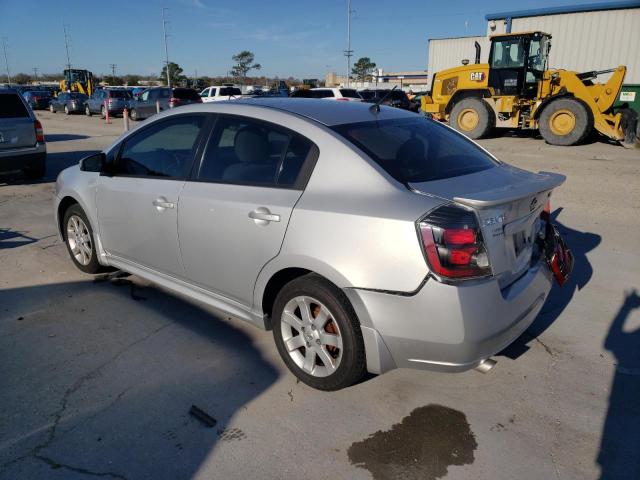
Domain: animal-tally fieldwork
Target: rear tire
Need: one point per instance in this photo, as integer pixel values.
(66, 110)
(335, 324)
(565, 122)
(88, 261)
(134, 115)
(87, 111)
(473, 117)
(36, 172)
(103, 112)
(52, 109)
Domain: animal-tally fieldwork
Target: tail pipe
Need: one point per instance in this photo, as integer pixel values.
(486, 365)
(477, 45)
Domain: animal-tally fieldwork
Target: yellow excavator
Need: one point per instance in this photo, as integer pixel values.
(516, 90)
(76, 80)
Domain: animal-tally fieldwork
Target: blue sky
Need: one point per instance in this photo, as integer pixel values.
(301, 38)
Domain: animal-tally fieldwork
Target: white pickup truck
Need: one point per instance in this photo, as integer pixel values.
(216, 94)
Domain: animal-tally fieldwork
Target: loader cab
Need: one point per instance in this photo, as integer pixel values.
(77, 80)
(517, 62)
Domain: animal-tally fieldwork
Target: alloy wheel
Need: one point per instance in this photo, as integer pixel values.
(311, 336)
(79, 240)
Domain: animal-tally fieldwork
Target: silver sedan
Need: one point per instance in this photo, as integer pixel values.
(367, 238)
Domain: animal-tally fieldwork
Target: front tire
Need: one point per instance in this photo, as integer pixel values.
(103, 112)
(472, 117)
(80, 240)
(52, 109)
(318, 334)
(134, 115)
(66, 110)
(565, 122)
(87, 111)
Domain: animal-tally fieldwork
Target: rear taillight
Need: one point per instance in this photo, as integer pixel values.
(547, 207)
(453, 243)
(173, 101)
(342, 99)
(39, 132)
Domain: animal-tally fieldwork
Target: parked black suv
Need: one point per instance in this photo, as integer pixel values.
(394, 98)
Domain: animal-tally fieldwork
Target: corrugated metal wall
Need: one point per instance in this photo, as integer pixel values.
(588, 40)
(449, 52)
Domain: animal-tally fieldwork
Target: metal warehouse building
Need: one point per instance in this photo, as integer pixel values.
(597, 36)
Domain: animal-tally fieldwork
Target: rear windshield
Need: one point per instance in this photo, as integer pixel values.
(417, 150)
(186, 94)
(367, 94)
(349, 93)
(11, 106)
(119, 94)
(230, 91)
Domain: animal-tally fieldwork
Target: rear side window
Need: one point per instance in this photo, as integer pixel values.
(322, 93)
(186, 94)
(367, 95)
(417, 149)
(11, 106)
(226, 91)
(164, 149)
(246, 151)
(349, 93)
(119, 94)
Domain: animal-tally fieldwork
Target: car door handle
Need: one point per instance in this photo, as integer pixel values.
(264, 215)
(162, 203)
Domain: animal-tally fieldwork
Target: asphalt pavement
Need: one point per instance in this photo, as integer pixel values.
(98, 375)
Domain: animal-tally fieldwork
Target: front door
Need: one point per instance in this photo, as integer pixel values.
(138, 200)
(234, 213)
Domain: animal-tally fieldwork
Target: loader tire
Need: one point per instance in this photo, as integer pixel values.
(565, 122)
(472, 117)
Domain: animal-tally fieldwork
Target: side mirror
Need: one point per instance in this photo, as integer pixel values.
(93, 163)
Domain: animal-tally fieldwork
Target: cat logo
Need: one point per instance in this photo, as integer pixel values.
(477, 76)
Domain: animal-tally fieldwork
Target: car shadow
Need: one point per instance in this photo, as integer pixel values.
(56, 162)
(117, 367)
(620, 444)
(12, 239)
(580, 243)
(61, 137)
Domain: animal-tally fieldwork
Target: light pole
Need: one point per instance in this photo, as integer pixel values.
(166, 50)
(348, 52)
(6, 61)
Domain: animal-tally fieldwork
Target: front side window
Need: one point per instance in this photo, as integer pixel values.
(246, 151)
(508, 53)
(164, 149)
(415, 150)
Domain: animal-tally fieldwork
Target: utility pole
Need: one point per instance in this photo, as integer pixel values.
(66, 45)
(113, 71)
(348, 52)
(6, 61)
(166, 50)
(35, 74)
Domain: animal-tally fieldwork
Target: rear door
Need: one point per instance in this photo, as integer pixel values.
(234, 211)
(16, 125)
(138, 201)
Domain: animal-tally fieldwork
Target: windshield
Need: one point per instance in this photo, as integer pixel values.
(417, 150)
(508, 53)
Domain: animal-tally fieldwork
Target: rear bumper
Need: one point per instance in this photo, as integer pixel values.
(445, 327)
(19, 159)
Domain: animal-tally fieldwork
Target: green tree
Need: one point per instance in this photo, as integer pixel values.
(175, 73)
(131, 79)
(21, 78)
(244, 63)
(363, 69)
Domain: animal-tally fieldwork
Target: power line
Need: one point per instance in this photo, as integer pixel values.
(113, 70)
(348, 52)
(35, 73)
(166, 50)
(6, 61)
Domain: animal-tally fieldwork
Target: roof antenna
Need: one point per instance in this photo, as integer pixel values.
(375, 108)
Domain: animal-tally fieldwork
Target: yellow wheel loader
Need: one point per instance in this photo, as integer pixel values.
(76, 80)
(516, 90)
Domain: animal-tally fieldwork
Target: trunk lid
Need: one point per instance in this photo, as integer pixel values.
(508, 202)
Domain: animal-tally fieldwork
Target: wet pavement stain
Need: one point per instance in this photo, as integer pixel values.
(422, 446)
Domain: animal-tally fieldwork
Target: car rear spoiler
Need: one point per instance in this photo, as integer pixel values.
(542, 182)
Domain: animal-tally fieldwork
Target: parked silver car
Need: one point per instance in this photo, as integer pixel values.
(22, 144)
(366, 238)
